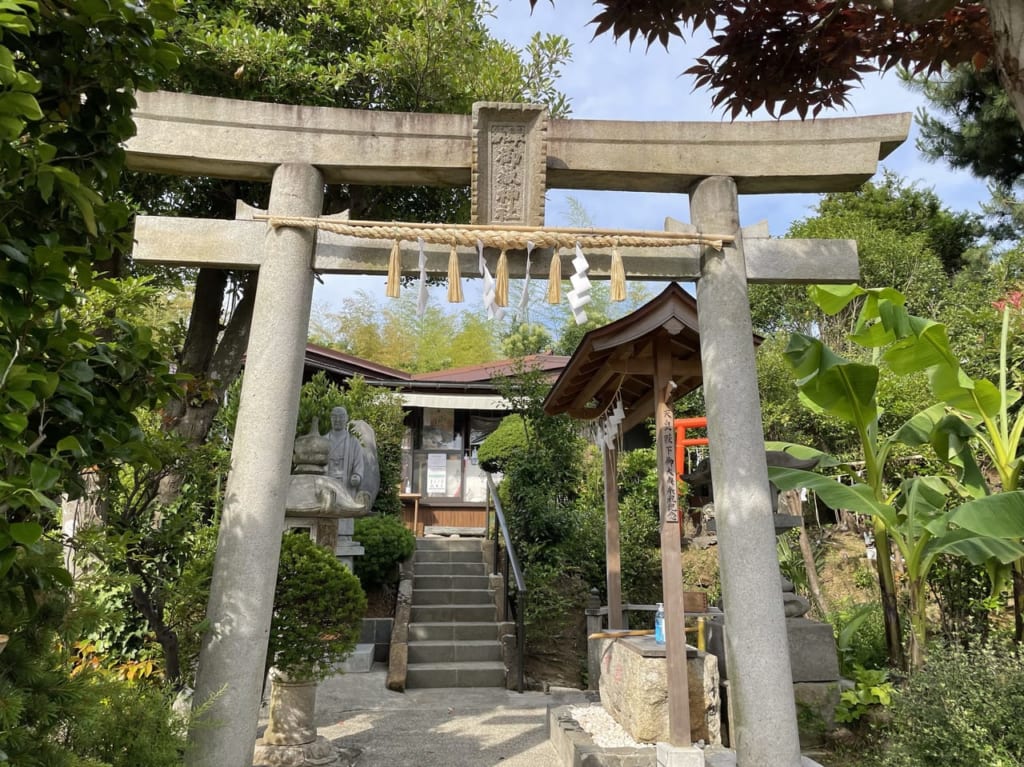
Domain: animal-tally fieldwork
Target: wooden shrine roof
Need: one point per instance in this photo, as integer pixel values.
(618, 359)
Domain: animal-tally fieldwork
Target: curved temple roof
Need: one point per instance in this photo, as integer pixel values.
(619, 359)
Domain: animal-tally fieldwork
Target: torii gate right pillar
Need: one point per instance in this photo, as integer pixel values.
(764, 726)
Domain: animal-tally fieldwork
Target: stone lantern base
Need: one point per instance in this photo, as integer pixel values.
(319, 753)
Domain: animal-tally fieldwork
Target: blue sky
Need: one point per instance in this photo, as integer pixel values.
(609, 80)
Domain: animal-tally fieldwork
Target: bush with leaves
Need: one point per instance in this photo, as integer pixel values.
(871, 690)
(860, 636)
(501, 446)
(156, 737)
(386, 542)
(318, 610)
(639, 528)
(962, 709)
(70, 382)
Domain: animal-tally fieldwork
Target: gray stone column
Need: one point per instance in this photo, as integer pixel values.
(764, 729)
(234, 648)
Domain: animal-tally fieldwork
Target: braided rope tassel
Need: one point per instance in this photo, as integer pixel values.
(501, 280)
(454, 278)
(617, 291)
(555, 279)
(394, 283)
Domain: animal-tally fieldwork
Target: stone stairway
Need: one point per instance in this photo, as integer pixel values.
(453, 629)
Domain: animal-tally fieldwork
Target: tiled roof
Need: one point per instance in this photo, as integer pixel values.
(340, 363)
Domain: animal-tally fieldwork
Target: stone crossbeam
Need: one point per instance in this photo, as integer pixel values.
(204, 136)
(212, 243)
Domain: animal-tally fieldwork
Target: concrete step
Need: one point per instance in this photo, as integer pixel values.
(447, 631)
(457, 582)
(450, 568)
(441, 555)
(480, 674)
(450, 612)
(448, 544)
(449, 596)
(455, 652)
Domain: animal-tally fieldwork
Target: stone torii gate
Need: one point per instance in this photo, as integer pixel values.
(300, 149)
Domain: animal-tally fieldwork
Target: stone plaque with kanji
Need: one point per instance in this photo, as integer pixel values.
(509, 164)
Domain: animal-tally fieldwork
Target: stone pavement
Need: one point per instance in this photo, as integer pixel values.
(449, 727)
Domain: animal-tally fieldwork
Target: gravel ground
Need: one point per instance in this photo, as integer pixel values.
(605, 731)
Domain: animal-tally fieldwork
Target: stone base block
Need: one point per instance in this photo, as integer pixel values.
(359, 662)
(815, 710)
(319, 753)
(634, 689)
(679, 756)
(726, 757)
(812, 651)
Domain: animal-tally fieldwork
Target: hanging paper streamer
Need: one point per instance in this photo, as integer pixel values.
(494, 311)
(393, 288)
(501, 286)
(579, 296)
(617, 291)
(523, 302)
(608, 428)
(421, 301)
(454, 277)
(555, 278)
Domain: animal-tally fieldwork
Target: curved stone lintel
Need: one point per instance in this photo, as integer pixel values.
(201, 135)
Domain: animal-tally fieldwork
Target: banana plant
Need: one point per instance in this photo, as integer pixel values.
(979, 410)
(919, 522)
(914, 516)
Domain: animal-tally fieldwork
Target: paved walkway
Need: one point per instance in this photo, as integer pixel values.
(454, 727)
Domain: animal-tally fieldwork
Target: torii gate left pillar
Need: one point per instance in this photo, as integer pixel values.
(233, 654)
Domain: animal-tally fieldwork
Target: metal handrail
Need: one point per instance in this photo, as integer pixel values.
(511, 561)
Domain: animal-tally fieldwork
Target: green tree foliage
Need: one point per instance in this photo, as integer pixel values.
(542, 482)
(156, 737)
(70, 381)
(386, 542)
(905, 239)
(976, 127)
(907, 209)
(147, 564)
(526, 339)
(318, 610)
(393, 334)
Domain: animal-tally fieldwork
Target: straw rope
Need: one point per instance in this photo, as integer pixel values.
(508, 237)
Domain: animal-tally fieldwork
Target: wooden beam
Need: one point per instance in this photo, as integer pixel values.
(613, 559)
(671, 556)
(644, 365)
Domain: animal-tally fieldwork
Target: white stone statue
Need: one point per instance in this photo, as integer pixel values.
(336, 475)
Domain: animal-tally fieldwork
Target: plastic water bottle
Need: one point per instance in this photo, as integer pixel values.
(659, 624)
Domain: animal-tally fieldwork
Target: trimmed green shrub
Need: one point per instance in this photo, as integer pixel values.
(963, 709)
(318, 610)
(503, 444)
(386, 542)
